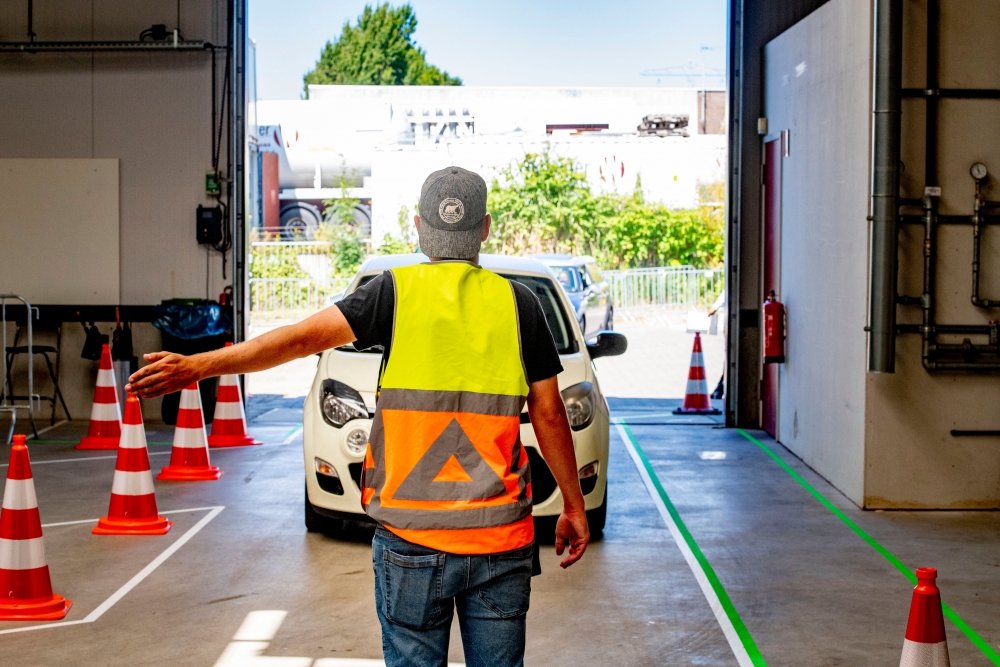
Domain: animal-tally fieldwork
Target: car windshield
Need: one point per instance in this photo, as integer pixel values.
(568, 277)
(546, 291)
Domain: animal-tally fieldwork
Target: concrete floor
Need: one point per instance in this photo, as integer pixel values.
(809, 590)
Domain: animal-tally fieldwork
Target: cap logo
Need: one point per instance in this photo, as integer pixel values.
(451, 210)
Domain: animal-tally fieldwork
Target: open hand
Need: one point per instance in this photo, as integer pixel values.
(166, 373)
(572, 530)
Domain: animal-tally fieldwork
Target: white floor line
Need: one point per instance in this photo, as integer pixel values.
(742, 657)
(291, 436)
(49, 428)
(82, 458)
(74, 523)
(134, 581)
(254, 636)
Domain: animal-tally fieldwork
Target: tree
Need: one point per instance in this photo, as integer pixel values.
(378, 51)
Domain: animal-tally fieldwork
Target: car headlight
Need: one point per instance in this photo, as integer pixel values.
(580, 405)
(356, 442)
(340, 403)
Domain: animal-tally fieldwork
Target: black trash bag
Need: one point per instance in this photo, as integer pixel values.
(94, 341)
(190, 321)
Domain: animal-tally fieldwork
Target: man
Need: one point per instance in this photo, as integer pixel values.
(445, 474)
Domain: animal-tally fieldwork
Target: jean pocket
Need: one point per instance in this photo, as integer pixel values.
(508, 591)
(413, 589)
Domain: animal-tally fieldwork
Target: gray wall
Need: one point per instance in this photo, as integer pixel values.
(911, 458)
(152, 111)
(817, 88)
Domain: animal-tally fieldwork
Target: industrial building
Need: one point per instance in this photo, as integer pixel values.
(858, 436)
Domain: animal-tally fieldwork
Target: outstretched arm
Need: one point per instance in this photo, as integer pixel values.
(548, 418)
(168, 372)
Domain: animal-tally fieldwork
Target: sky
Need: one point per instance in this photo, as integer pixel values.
(513, 43)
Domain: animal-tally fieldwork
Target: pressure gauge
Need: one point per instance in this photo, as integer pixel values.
(978, 171)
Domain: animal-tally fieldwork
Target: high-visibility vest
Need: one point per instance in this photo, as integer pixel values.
(445, 467)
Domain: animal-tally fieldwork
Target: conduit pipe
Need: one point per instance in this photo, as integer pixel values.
(885, 184)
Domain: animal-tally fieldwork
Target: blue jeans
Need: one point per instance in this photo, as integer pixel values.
(417, 590)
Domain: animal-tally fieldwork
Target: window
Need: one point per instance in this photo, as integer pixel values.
(546, 291)
(567, 277)
(594, 272)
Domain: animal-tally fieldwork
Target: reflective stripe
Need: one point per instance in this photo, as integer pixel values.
(22, 554)
(19, 494)
(105, 412)
(451, 401)
(229, 411)
(106, 378)
(190, 438)
(132, 483)
(697, 359)
(133, 437)
(917, 654)
(228, 381)
(698, 387)
(480, 517)
(190, 400)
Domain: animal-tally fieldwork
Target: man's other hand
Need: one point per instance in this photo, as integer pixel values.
(572, 531)
(166, 373)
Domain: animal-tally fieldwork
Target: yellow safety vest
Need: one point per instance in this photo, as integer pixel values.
(445, 467)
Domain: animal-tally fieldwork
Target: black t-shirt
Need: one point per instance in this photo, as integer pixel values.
(370, 310)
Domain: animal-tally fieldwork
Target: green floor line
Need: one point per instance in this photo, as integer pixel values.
(727, 604)
(972, 635)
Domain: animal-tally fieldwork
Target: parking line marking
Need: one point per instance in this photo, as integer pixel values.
(740, 641)
(74, 523)
(134, 581)
(966, 629)
(292, 435)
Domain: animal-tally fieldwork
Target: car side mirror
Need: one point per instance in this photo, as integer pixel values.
(608, 344)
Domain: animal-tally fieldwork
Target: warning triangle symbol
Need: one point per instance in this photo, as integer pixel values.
(451, 469)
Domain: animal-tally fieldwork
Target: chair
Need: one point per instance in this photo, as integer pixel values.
(14, 351)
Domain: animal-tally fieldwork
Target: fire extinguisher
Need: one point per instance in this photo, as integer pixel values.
(774, 331)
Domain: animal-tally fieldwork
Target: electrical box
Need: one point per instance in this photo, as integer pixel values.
(212, 185)
(209, 221)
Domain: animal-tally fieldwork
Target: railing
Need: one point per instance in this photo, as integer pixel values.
(292, 280)
(674, 287)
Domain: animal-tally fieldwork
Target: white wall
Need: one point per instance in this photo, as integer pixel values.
(817, 87)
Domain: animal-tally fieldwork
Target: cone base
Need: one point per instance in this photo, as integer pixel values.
(187, 474)
(115, 526)
(697, 411)
(97, 442)
(232, 441)
(37, 609)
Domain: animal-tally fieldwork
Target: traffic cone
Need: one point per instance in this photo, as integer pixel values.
(696, 397)
(229, 425)
(189, 455)
(925, 644)
(105, 428)
(25, 585)
(133, 503)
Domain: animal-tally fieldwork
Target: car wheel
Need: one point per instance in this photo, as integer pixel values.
(317, 523)
(597, 517)
(299, 221)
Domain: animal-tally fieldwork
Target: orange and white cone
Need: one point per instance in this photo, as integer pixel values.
(105, 428)
(925, 644)
(25, 585)
(696, 396)
(189, 455)
(133, 503)
(229, 425)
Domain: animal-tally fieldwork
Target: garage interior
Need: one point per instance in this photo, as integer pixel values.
(784, 532)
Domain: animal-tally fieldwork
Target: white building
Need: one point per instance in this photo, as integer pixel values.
(388, 138)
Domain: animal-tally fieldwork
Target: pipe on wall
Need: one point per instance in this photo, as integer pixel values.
(885, 184)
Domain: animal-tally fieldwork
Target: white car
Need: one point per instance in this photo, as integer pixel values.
(338, 412)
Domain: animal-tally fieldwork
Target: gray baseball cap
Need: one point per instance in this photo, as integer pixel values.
(452, 210)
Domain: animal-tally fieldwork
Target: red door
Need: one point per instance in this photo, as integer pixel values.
(771, 273)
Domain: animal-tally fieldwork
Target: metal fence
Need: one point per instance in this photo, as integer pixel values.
(292, 280)
(670, 287)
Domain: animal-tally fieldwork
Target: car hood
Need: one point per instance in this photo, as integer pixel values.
(360, 370)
